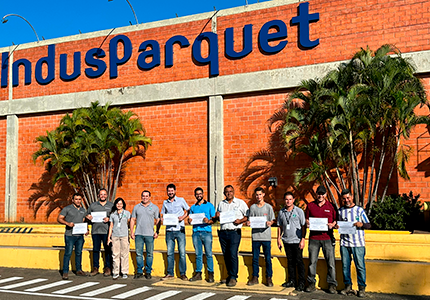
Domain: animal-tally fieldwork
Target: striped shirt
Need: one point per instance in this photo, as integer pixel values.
(353, 214)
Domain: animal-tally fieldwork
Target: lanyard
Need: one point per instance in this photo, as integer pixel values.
(289, 214)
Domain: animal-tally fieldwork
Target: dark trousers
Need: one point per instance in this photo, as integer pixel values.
(266, 245)
(230, 241)
(98, 239)
(295, 259)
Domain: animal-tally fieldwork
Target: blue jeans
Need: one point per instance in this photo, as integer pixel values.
(179, 236)
(327, 248)
(70, 242)
(200, 239)
(358, 254)
(97, 243)
(140, 240)
(256, 245)
(230, 241)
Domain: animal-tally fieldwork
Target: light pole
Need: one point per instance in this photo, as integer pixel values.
(135, 17)
(4, 20)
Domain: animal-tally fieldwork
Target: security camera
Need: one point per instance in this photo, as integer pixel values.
(273, 181)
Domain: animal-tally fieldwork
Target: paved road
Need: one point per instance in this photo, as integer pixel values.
(31, 284)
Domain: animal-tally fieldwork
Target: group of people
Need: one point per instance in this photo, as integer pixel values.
(111, 223)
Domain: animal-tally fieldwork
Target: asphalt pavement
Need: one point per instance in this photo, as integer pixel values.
(33, 284)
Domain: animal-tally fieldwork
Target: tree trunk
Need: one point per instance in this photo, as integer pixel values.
(365, 170)
(354, 175)
(117, 175)
(381, 163)
(393, 164)
(369, 197)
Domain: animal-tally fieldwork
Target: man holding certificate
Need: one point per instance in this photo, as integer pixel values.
(232, 212)
(73, 217)
(173, 212)
(261, 218)
(200, 217)
(98, 213)
(352, 222)
(320, 218)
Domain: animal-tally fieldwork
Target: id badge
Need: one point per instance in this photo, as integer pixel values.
(119, 225)
(288, 227)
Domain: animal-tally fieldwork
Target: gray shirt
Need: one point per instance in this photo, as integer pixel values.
(237, 205)
(100, 228)
(292, 234)
(120, 223)
(176, 207)
(145, 217)
(73, 214)
(262, 234)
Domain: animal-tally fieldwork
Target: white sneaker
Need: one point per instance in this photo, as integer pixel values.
(115, 276)
(124, 276)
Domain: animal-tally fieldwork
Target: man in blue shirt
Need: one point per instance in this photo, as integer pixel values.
(177, 207)
(202, 234)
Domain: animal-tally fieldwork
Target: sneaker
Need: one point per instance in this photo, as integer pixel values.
(210, 277)
(65, 276)
(167, 277)
(300, 287)
(81, 273)
(332, 289)
(148, 276)
(107, 272)
(115, 276)
(289, 284)
(232, 282)
(253, 281)
(346, 290)
(310, 288)
(124, 276)
(361, 291)
(184, 277)
(94, 272)
(138, 275)
(269, 281)
(197, 276)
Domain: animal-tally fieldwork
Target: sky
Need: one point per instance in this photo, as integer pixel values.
(59, 18)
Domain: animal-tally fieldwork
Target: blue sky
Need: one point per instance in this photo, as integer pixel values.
(52, 19)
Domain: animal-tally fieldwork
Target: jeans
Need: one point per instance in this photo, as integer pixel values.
(148, 241)
(295, 259)
(200, 239)
(78, 243)
(230, 241)
(97, 243)
(256, 245)
(358, 254)
(171, 236)
(327, 248)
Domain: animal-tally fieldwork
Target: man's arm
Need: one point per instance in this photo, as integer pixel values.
(62, 220)
(157, 228)
(132, 223)
(279, 237)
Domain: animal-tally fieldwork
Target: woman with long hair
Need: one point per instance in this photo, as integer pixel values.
(118, 236)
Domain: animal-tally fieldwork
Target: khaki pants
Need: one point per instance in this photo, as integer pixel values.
(120, 252)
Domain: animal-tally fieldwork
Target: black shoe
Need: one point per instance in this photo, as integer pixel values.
(231, 282)
(210, 277)
(289, 284)
(148, 276)
(311, 287)
(300, 287)
(346, 290)
(332, 289)
(138, 275)
(361, 291)
(197, 276)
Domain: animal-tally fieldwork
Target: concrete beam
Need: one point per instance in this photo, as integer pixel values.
(216, 149)
(11, 168)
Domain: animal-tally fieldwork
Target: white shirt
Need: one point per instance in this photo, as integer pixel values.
(239, 206)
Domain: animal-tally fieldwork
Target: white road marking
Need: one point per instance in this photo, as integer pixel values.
(132, 293)
(10, 279)
(74, 288)
(238, 298)
(51, 295)
(163, 295)
(103, 290)
(48, 286)
(201, 296)
(12, 286)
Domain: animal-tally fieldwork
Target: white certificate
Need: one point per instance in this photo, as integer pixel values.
(227, 217)
(170, 220)
(346, 227)
(318, 224)
(197, 219)
(258, 222)
(98, 216)
(80, 228)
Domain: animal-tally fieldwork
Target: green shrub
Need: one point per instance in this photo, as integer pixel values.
(396, 212)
